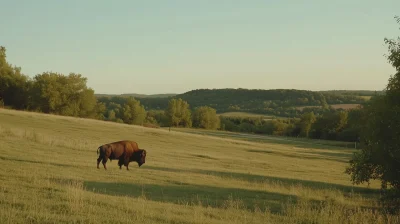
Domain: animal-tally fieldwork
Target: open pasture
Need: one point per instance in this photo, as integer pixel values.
(248, 115)
(285, 140)
(48, 174)
(344, 106)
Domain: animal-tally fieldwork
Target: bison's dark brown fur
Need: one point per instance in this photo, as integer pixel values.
(123, 151)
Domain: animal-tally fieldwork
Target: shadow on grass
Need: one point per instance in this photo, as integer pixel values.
(260, 178)
(36, 162)
(345, 155)
(306, 144)
(204, 157)
(311, 144)
(291, 141)
(216, 197)
(337, 157)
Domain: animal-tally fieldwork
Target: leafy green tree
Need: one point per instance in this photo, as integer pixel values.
(379, 158)
(150, 119)
(206, 117)
(64, 95)
(14, 86)
(355, 122)
(227, 124)
(133, 112)
(111, 115)
(329, 125)
(117, 108)
(100, 109)
(306, 121)
(87, 104)
(273, 102)
(157, 117)
(279, 127)
(341, 119)
(178, 113)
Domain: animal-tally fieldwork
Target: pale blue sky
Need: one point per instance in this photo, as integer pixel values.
(176, 46)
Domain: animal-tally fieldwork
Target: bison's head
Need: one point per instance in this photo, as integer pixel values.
(140, 157)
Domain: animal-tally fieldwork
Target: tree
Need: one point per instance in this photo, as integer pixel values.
(87, 104)
(306, 121)
(100, 109)
(279, 128)
(64, 95)
(157, 117)
(111, 115)
(178, 113)
(379, 158)
(329, 125)
(14, 86)
(133, 112)
(206, 117)
(354, 125)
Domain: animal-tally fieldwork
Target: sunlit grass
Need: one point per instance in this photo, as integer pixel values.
(249, 115)
(48, 174)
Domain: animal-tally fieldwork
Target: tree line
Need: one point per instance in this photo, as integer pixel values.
(338, 125)
(278, 102)
(177, 113)
(331, 124)
(48, 92)
(68, 95)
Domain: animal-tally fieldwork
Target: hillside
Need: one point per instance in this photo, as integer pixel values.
(49, 175)
(278, 102)
(353, 92)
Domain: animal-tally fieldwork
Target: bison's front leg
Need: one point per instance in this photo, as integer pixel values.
(126, 163)
(120, 163)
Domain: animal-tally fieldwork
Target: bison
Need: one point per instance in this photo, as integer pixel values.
(125, 151)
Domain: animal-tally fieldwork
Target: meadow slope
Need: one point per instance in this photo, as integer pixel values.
(48, 175)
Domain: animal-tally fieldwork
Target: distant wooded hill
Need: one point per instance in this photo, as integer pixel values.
(354, 92)
(279, 102)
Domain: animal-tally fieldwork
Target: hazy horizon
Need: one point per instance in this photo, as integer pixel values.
(167, 93)
(178, 46)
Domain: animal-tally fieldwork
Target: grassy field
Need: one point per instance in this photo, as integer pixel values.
(283, 140)
(245, 114)
(345, 106)
(48, 175)
(335, 106)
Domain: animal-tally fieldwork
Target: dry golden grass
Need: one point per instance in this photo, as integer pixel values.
(345, 106)
(366, 97)
(245, 114)
(335, 106)
(48, 174)
(302, 107)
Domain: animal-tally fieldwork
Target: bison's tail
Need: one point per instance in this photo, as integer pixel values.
(98, 150)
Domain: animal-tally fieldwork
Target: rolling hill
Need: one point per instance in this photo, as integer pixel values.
(277, 102)
(49, 175)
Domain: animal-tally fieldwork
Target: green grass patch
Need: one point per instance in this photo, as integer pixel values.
(250, 115)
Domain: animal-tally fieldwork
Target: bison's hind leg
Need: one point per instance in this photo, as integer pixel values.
(98, 162)
(104, 162)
